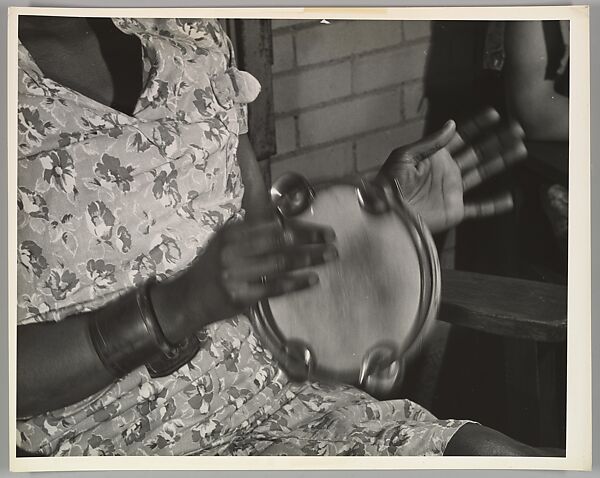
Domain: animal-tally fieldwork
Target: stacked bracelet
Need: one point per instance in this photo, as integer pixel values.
(125, 344)
(149, 317)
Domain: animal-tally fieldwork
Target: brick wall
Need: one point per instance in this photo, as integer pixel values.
(346, 93)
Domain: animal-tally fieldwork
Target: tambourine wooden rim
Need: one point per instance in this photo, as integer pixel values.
(297, 358)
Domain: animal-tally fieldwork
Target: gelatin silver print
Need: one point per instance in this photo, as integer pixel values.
(291, 237)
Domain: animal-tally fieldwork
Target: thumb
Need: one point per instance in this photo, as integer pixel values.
(432, 143)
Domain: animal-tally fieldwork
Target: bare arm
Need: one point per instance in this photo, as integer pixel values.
(256, 199)
(57, 363)
(543, 113)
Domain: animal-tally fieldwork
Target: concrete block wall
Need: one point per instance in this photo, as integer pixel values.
(346, 94)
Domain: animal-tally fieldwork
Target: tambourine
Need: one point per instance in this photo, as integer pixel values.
(372, 305)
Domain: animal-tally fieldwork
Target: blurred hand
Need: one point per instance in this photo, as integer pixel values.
(255, 261)
(433, 174)
(242, 264)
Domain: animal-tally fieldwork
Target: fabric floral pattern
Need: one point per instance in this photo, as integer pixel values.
(87, 170)
(107, 201)
(110, 170)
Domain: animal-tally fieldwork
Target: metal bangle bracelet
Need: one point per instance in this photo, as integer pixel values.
(125, 344)
(148, 315)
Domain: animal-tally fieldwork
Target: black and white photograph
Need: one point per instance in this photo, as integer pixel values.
(293, 237)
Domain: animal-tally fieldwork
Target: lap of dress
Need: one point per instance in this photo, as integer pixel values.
(233, 399)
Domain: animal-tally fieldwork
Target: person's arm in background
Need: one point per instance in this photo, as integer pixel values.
(542, 112)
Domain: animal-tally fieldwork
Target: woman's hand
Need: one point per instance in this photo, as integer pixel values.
(434, 173)
(244, 263)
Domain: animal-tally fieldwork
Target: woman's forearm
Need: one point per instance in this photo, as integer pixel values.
(61, 363)
(57, 365)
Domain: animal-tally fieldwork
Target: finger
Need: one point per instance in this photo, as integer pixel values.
(456, 143)
(274, 264)
(489, 147)
(256, 241)
(253, 239)
(248, 293)
(232, 232)
(490, 207)
(468, 131)
(486, 170)
(308, 233)
(430, 144)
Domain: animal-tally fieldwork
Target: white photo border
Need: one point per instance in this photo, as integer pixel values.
(579, 402)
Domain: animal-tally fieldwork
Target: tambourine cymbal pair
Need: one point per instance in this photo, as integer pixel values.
(372, 306)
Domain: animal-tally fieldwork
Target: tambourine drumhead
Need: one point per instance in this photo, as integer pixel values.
(378, 291)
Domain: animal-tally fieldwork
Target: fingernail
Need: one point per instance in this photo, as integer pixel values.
(329, 235)
(522, 151)
(517, 129)
(492, 113)
(330, 254)
(313, 279)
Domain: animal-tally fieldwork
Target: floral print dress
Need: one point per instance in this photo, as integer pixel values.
(107, 200)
